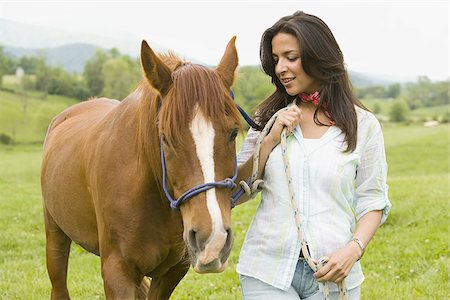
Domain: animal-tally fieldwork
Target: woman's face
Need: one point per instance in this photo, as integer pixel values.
(288, 65)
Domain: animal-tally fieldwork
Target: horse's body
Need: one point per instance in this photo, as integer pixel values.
(101, 179)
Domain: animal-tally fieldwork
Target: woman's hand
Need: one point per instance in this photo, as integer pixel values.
(340, 263)
(289, 118)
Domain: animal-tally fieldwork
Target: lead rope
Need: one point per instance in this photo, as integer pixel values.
(257, 185)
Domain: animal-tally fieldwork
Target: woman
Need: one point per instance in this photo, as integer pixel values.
(338, 164)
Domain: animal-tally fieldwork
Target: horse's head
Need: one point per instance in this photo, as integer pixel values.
(198, 124)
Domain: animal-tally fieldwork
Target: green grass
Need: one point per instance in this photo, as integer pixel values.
(416, 115)
(429, 113)
(29, 125)
(408, 258)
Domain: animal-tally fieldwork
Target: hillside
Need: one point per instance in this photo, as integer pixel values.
(71, 57)
(29, 126)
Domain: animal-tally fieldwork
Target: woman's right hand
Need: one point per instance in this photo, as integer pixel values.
(289, 118)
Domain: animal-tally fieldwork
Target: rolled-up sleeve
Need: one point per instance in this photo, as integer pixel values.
(371, 188)
(248, 146)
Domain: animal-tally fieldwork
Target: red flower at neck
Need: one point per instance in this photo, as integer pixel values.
(314, 98)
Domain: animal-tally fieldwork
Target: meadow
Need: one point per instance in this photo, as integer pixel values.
(408, 258)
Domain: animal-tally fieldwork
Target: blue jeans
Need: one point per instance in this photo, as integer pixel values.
(304, 286)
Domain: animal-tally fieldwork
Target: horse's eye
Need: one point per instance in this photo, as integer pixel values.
(233, 134)
(163, 139)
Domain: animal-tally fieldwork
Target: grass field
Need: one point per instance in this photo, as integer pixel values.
(417, 115)
(28, 125)
(408, 258)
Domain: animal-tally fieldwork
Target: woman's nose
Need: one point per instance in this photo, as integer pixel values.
(280, 67)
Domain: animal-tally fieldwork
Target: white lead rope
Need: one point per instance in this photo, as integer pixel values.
(257, 185)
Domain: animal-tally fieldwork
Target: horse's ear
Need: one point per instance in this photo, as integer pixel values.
(228, 63)
(156, 72)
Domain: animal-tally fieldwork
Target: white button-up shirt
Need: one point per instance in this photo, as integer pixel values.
(334, 189)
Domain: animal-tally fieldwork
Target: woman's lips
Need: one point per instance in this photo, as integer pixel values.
(287, 80)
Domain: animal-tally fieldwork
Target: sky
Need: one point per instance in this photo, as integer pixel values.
(396, 39)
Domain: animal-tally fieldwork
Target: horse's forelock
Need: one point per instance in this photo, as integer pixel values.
(194, 86)
(171, 60)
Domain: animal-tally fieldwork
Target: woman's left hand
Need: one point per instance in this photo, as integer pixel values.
(340, 264)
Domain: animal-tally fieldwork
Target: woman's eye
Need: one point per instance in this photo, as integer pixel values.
(292, 58)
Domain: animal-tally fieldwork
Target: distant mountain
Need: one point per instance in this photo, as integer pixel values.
(20, 35)
(364, 80)
(71, 57)
(67, 49)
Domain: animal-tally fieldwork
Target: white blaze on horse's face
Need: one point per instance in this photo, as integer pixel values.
(203, 135)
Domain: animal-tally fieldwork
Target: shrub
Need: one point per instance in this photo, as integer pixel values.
(399, 111)
(6, 139)
(446, 117)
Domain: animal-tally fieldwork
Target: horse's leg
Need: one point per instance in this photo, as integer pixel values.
(163, 286)
(121, 278)
(57, 254)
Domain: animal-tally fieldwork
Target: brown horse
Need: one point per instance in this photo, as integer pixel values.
(102, 178)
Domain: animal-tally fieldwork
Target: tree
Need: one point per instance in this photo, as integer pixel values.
(5, 64)
(418, 94)
(29, 64)
(251, 87)
(399, 111)
(25, 84)
(42, 77)
(440, 94)
(120, 76)
(393, 91)
(93, 74)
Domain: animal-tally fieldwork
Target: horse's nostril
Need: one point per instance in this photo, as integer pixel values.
(192, 239)
(229, 241)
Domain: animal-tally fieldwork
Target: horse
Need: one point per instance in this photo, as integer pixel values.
(108, 167)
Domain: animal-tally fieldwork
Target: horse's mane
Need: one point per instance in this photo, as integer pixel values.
(193, 86)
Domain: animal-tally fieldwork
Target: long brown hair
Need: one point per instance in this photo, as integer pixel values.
(322, 59)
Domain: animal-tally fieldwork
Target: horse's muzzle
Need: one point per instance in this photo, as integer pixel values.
(212, 255)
